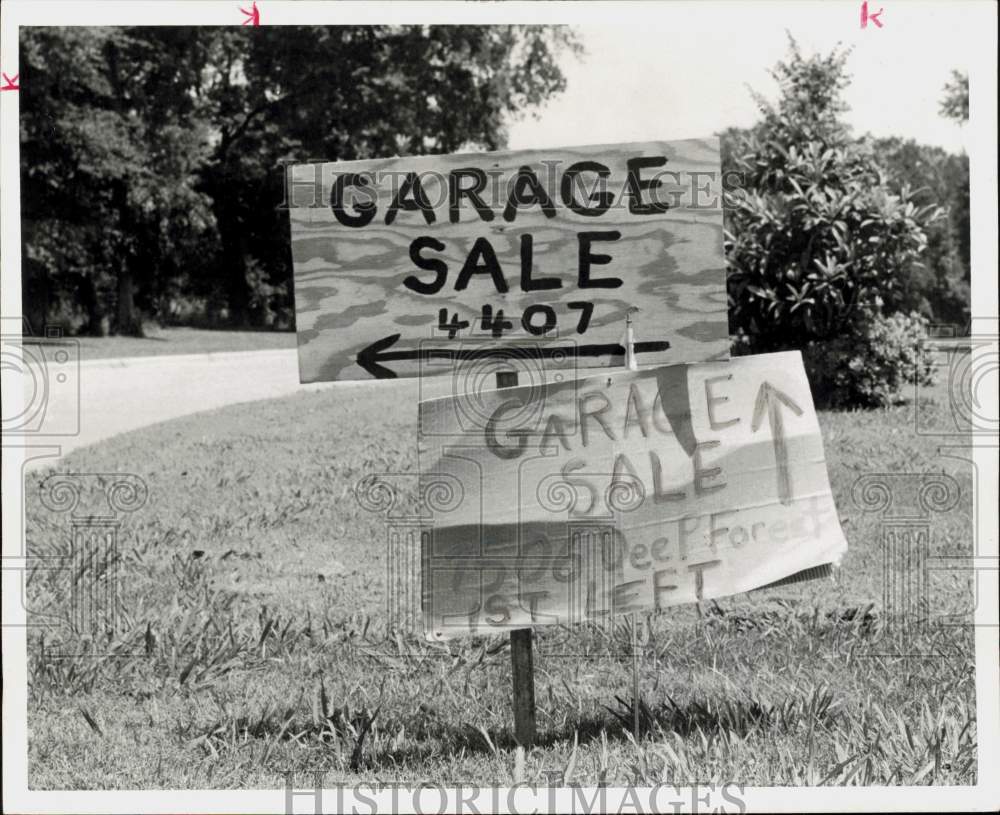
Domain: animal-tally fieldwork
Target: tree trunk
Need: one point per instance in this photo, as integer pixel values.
(87, 295)
(129, 322)
(35, 298)
(234, 265)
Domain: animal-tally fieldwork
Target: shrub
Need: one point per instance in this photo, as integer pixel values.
(818, 245)
(868, 365)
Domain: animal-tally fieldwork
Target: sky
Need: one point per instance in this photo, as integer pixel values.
(684, 70)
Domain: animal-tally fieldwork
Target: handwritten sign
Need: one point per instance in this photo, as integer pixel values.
(409, 266)
(634, 490)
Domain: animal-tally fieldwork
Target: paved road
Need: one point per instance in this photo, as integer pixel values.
(118, 395)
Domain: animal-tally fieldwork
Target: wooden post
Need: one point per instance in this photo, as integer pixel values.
(522, 660)
(635, 675)
(522, 666)
(632, 365)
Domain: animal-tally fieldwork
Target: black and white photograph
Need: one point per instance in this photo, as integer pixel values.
(499, 406)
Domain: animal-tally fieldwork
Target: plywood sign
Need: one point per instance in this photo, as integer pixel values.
(634, 490)
(411, 266)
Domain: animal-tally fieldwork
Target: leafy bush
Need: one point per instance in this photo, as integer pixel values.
(818, 244)
(869, 365)
(805, 259)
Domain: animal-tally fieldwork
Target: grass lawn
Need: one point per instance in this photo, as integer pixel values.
(254, 642)
(182, 341)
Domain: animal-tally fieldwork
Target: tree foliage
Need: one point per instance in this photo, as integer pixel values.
(955, 102)
(939, 288)
(109, 153)
(871, 366)
(816, 234)
(819, 243)
(152, 156)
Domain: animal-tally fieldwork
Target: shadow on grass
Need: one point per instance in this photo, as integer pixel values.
(495, 742)
(708, 717)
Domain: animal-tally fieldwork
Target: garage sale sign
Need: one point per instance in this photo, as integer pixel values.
(616, 493)
(576, 495)
(412, 266)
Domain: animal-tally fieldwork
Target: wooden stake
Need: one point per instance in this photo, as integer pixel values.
(632, 365)
(635, 676)
(522, 666)
(522, 660)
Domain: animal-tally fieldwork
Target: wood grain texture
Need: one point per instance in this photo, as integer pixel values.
(622, 492)
(349, 281)
(522, 668)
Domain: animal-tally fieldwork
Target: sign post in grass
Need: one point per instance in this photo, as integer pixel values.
(562, 497)
(522, 659)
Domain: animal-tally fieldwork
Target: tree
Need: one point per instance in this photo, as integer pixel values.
(955, 103)
(152, 157)
(940, 286)
(108, 148)
(820, 248)
(64, 206)
(815, 232)
(275, 95)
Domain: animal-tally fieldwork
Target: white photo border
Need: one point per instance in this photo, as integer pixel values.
(975, 22)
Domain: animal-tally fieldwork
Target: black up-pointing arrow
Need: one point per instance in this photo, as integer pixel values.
(769, 402)
(372, 357)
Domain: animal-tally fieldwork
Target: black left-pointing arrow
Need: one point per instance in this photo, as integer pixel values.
(372, 357)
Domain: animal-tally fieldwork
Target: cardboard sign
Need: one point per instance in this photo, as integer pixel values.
(634, 490)
(410, 266)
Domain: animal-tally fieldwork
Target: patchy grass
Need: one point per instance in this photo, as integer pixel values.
(254, 635)
(181, 341)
